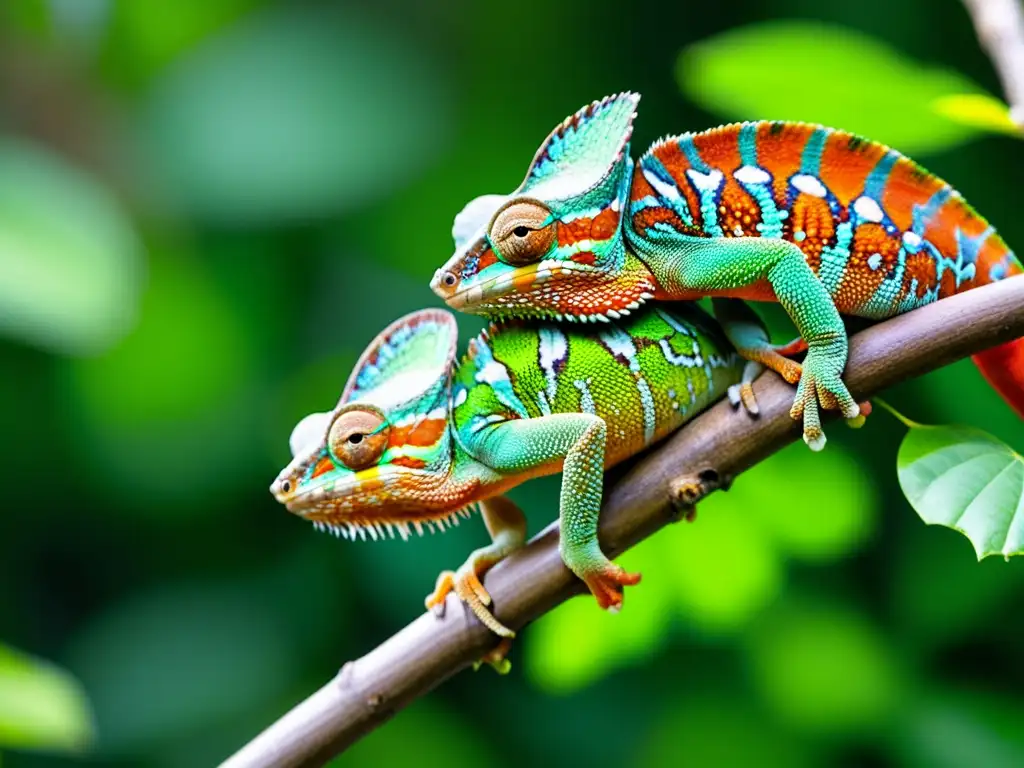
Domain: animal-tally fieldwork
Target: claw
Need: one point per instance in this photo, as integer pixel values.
(435, 600)
(858, 421)
(497, 658)
(467, 586)
(815, 442)
(606, 585)
(748, 399)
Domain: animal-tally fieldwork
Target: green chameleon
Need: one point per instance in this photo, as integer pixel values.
(418, 438)
(819, 220)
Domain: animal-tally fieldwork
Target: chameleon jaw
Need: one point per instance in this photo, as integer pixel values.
(380, 528)
(515, 294)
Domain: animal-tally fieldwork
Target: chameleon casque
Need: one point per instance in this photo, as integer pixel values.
(820, 220)
(418, 438)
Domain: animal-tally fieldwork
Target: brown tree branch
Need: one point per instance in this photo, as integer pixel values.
(368, 691)
(999, 25)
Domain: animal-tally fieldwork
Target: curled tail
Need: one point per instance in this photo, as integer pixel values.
(1002, 366)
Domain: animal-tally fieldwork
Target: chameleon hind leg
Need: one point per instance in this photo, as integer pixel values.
(578, 441)
(507, 526)
(747, 333)
(721, 265)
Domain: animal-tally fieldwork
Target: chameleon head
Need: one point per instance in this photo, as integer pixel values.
(554, 247)
(382, 459)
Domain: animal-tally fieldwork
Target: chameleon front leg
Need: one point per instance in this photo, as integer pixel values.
(578, 441)
(507, 526)
(715, 265)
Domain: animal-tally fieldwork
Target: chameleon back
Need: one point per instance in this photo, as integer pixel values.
(645, 375)
(882, 234)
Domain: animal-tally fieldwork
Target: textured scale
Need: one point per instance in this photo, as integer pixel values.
(882, 234)
(644, 375)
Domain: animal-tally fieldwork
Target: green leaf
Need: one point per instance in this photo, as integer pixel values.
(797, 70)
(70, 264)
(295, 114)
(978, 110)
(967, 480)
(41, 705)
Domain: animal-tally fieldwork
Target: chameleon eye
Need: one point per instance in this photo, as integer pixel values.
(358, 438)
(522, 232)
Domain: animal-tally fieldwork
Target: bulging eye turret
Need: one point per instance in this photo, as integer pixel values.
(522, 232)
(358, 438)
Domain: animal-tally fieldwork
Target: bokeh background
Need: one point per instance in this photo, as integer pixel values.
(208, 208)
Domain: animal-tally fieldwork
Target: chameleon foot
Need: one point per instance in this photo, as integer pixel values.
(497, 658)
(466, 584)
(743, 393)
(747, 334)
(821, 383)
(507, 527)
(606, 583)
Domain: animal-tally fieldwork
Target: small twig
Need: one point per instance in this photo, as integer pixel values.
(999, 25)
(418, 658)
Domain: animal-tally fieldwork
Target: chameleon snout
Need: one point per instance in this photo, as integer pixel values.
(282, 489)
(445, 283)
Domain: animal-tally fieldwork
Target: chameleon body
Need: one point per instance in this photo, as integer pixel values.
(820, 220)
(417, 438)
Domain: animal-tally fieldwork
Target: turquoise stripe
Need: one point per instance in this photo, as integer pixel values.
(810, 160)
(874, 187)
(692, 155)
(748, 144)
(922, 214)
(669, 194)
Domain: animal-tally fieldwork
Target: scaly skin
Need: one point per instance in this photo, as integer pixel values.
(417, 438)
(817, 219)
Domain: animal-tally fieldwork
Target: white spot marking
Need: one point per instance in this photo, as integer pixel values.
(667, 191)
(586, 399)
(553, 349)
(868, 209)
(751, 174)
(875, 260)
(809, 185)
(711, 180)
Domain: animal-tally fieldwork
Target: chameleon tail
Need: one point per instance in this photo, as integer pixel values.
(1003, 368)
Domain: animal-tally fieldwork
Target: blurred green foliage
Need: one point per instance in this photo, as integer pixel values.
(847, 79)
(41, 705)
(206, 211)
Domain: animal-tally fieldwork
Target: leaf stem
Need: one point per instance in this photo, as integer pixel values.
(908, 423)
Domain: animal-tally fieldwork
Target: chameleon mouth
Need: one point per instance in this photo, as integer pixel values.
(526, 293)
(380, 528)
(522, 280)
